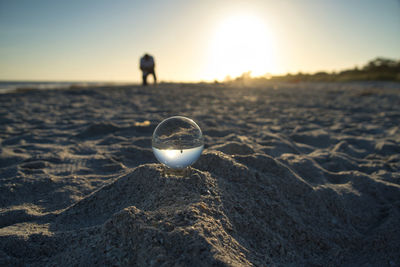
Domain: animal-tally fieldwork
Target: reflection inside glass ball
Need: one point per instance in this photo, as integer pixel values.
(177, 142)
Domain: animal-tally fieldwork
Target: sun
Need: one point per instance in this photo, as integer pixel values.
(171, 154)
(240, 44)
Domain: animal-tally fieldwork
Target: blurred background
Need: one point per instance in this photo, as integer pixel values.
(192, 41)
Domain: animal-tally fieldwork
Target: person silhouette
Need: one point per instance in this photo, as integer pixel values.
(147, 66)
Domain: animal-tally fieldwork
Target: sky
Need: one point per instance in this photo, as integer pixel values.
(191, 40)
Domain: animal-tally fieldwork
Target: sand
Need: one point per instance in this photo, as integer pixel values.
(303, 174)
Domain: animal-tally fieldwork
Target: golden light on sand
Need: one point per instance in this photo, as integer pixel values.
(241, 43)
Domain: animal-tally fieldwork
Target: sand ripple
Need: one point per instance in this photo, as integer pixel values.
(292, 174)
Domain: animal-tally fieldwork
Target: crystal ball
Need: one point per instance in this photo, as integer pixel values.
(177, 142)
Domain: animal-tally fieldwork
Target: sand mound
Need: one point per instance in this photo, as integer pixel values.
(272, 189)
(231, 214)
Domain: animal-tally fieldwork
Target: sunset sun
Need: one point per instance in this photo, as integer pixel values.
(240, 44)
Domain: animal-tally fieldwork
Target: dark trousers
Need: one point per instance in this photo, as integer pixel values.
(146, 73)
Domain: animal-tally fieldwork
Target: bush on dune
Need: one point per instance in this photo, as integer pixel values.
(378, 69)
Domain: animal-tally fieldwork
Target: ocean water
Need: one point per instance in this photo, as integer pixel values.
(9, 86)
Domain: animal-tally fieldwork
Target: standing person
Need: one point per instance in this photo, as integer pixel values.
(147, 66)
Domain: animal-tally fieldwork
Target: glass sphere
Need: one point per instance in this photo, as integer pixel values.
(177, 142)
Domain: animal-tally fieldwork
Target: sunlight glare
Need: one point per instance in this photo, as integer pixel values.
(241, 43)
(171, 154)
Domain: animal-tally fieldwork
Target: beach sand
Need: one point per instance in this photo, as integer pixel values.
(302, 174)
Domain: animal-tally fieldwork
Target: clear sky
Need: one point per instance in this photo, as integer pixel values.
(191, 40)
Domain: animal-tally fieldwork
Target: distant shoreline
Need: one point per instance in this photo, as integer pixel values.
(17, 86)
(377, 70)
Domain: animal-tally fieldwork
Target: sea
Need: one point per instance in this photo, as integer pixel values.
(10, 86)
